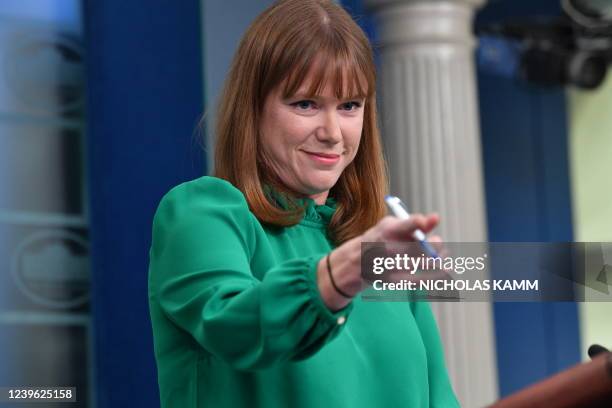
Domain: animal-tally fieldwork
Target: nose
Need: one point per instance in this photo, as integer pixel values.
(329, 130)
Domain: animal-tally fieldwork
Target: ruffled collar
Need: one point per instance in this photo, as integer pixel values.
(317, 213)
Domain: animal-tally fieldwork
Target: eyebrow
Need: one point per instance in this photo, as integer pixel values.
(301, 95)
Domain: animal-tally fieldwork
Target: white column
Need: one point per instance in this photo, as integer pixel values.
(429, 120)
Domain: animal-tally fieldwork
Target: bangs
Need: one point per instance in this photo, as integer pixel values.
(342, 71)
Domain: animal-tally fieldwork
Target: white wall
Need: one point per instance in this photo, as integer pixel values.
(590, 128)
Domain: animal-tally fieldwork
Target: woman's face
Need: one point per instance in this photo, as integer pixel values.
(308, 142)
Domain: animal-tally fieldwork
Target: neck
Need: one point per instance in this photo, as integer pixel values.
(320, 198)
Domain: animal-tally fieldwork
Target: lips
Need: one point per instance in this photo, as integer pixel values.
(325, 155)
(323, 159)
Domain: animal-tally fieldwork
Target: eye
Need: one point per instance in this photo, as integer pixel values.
(351, 106)
(303, 105)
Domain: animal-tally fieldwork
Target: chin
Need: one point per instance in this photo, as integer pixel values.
(322, 186)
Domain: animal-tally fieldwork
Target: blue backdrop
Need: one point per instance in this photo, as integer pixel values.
(524, 137)
(144, 82)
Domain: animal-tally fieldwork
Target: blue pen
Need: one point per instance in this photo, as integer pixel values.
(398, 208)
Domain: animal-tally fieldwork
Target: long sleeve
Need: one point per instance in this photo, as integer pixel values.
(441, 394)
(206, 247)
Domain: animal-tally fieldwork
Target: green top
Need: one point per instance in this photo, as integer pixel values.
(238, 320)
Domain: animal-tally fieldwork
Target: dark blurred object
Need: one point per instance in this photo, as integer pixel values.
(584, 385)
(593, 14)
(572, 49)
(596, 349)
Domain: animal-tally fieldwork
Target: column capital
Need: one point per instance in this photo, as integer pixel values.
(406, 22)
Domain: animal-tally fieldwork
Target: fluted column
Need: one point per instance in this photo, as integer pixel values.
(429, 119)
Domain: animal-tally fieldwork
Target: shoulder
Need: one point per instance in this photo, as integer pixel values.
(202, 197)
(198, 222)
(208, 188)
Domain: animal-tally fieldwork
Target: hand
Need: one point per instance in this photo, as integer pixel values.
(393, 237)
(346, 259)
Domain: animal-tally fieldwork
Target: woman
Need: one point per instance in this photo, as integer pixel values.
(254, 273)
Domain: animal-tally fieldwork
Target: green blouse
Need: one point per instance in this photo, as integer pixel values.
(238, 320)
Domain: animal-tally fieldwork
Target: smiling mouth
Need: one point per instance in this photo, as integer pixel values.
(324, 159)
(324, 155)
